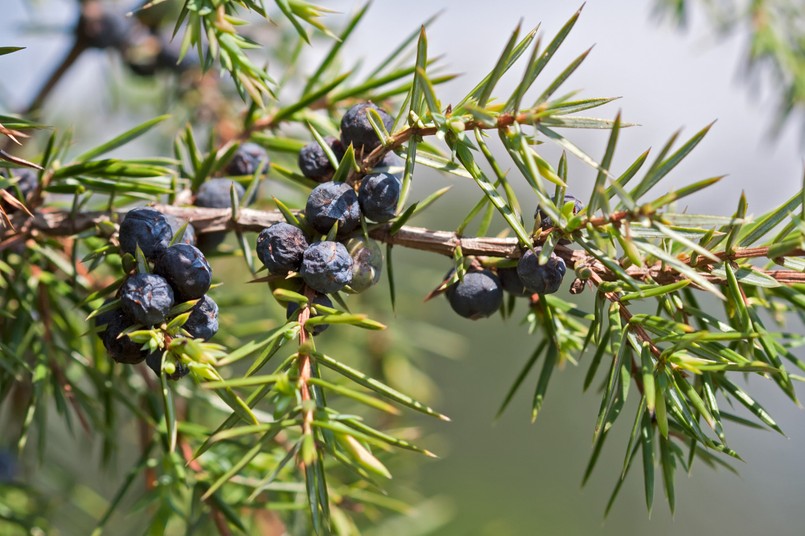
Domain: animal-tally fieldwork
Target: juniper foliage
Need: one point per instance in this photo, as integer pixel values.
(275, 430)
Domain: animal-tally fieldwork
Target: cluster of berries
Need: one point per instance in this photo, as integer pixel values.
(144, 50)
(180, 273)
(333, 211)
(355, 130)
(479, 293)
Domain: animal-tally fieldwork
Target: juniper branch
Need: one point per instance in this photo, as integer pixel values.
(63, 223)
(502, 121)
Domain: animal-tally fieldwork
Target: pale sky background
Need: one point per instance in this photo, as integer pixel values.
(667, 79)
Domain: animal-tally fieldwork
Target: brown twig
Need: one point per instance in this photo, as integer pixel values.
(63, 223)
(304, 365)
(396, 140)
(304, 358)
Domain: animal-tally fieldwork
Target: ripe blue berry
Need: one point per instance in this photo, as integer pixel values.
(146, 298)
(318, 299)
(280, 247)
(333, 202)
(476, 296)
(512, 284)
(203, 320)
(189, 236)
(356, 129)
(214, 193)
(326, 267)
(209, 242)
(186, 270)
(154, 362)
(106, 317)
(313, 161)
(367, 263)
(146, 228)
(247, 159)
(542, 279)
(120, 348)
(378, 196)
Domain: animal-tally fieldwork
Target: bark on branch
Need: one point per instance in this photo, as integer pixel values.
(63, 223)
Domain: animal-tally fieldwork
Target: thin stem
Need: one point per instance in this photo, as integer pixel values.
(528, 117)
(304, 365)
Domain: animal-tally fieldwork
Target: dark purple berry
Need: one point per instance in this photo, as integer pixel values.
(203, 320)
(333, 202)
(313, 161)
(209, 242)
(154, 362)
(146, 298)
(214, 193)
(318, 299)
(247, 159)
(511, 283)
(378, 196)
(146, 228)
(326, 267)
(542, 279)
(280, 247)
(189, 235)
(120, 348)
(356, 129)
(102, 319)
(476, 296)
(186, 270)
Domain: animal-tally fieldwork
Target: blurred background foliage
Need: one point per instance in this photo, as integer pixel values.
(493, 477)
(775, 47)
